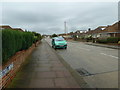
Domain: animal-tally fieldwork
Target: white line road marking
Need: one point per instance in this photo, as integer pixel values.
(109, 55)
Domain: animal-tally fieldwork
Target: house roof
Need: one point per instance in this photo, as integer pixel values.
(8, 27)
(113, 28)
(18, 29)
(106, 29)
(5, 27)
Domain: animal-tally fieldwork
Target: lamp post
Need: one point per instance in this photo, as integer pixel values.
(65, 28)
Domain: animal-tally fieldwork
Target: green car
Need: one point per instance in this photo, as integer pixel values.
(59, 42)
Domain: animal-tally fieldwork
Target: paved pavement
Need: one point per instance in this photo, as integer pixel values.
(43, 69)
(99, 65)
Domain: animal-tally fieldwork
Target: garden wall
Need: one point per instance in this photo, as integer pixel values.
(10, 68)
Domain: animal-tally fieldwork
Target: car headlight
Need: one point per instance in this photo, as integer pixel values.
(65, 42)
(56, 43)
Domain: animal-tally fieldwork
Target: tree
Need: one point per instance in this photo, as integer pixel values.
(54, 35)
(37, 36)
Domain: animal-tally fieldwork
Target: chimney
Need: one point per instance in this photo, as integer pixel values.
(89, 29)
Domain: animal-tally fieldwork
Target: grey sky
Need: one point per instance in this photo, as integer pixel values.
(48, 18)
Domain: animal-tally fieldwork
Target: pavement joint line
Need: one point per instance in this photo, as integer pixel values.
(109, 55)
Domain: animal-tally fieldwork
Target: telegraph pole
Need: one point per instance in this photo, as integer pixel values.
(65, 27)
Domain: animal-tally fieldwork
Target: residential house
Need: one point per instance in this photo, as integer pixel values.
(112, 30)
(66, 36)
(97, 32)
(105, 31)
(80, 33)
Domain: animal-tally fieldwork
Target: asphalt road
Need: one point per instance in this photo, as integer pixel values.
(93, 59)
(100, 63)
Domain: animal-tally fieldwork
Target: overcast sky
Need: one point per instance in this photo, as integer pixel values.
(49, 17)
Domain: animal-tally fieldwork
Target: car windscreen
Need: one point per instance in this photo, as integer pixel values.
(59, 39)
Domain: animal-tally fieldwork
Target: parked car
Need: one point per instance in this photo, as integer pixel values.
(59, 42)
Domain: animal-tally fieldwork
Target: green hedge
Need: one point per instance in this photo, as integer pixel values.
(14, 41)
(113, 39)
(101, 41)
(109, 40)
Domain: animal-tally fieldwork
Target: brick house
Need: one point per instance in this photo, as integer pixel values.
(80, 33)
(97, 32)
(112, 30)
(105, 31)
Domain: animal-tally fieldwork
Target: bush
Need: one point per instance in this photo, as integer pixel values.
(14, 41)
(54, 35)
(37, 36)
(82, 38)
(109, 40)
(75, 37)
(119, 42)
(101, 41)
(90, 38)
(113, 40)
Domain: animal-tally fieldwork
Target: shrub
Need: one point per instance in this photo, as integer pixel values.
(89, 38)
(109, 40)
(54, 35)
(119, 42)
(101, 41)
(82, 37)
(75, 37)
(37, 36)
(14, 41)
(113, 40)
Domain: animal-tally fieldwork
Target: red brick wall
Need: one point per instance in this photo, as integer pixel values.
(17, 61)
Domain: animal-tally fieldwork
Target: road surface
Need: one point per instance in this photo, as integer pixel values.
(98, 65)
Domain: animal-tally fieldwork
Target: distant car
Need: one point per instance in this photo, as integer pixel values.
(59, 42)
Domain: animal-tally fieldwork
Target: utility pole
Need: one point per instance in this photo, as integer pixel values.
(65, 27)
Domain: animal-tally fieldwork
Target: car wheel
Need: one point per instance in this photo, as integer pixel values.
(54, 47)
(65, 47)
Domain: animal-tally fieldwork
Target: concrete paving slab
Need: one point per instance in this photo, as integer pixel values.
(41, 83)
(62, 83)
(46, 74)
